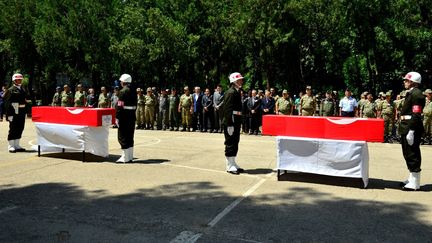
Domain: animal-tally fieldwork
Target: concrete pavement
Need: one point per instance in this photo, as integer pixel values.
(177, 190)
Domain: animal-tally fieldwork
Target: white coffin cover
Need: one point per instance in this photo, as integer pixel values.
(55, 137)
(324, 156)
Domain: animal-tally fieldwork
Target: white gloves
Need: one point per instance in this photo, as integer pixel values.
(10, 118)
(410, 137)
(117, 122)
(230, 130)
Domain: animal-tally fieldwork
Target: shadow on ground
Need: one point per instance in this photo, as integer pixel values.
(90, 158)
(59, 212)
(379, 184)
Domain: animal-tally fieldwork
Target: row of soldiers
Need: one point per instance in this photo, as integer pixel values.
(81, 98)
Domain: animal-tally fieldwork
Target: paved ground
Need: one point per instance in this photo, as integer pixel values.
(177, 191)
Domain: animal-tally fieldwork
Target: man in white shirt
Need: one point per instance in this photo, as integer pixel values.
(347, 105)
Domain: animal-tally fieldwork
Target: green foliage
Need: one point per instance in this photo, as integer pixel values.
(361, 44)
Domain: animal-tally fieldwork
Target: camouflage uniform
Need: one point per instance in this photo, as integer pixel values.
(308, 105)
(56, 100)
(368, 109)
(427, 120)
(80, 99)
(173, 115)
(387, 113)
(284, 105)
(103, 101)
(327, 107)
(140, 112)
(66, 99)
(150, 103)
(186, 105)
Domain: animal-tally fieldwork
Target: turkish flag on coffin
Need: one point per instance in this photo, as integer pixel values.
(93, 117)
(339, 128)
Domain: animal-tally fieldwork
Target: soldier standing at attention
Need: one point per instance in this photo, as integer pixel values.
(361, 102)
(411, 129)
(378, 102)
(15, 104)
(427, 116)
(140, 115)
(66, 97)
(207, 103)
(125, 118)
(80, 98)
(386, 111)
(56, 100)
(307, 103)
(232, 122)
(284, 104)
(369, 109)
(150, 103)
(186, 109)
(347, 105)
(328, 105)
(104, 99)
(173, 114)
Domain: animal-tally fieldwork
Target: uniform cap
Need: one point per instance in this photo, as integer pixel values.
(402, 93)
(126, 78)
(138, 89)
(308, 87)
(365, 93)
(381, 93)
(186, 88)
(149, 89)
(388, 93)
(413, 76)
(428, 91)
(234, 77)
(284, 91)
(17, 76)
(58, 87)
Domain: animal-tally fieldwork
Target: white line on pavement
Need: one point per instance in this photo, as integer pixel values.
(186, 237)
(235, 203)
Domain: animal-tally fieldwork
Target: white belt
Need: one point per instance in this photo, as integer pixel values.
(22, 106)
(129, 107)
(406, 117)
(238, 113)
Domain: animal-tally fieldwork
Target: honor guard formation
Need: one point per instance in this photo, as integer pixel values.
(407, 115)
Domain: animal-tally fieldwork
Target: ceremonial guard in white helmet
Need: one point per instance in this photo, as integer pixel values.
(232, 121)
(125, 118)
(411, 129)
(15, 104)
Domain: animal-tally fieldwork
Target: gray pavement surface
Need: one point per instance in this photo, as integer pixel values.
(177, 190)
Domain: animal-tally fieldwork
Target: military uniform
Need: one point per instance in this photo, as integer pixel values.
(327, 107)
(411, 120)
(56, 100)
(427, 120)
(125, 113)
(368, 109)
(150, 103)
(284, 106)
(308, 105)
(140, 112)
(232, 118)
(80, 99)
(387, 113)
(173, 114)
(15, 104)
(66, 99)
(103, 101)
(186, 106)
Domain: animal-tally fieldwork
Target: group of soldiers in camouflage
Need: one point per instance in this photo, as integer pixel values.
(200, 111)
(66, 98)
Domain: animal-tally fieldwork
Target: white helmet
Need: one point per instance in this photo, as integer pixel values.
(17, 76)
(126, 78)
(234, 77)
(413, 76)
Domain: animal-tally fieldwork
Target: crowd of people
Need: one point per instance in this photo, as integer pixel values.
(201, 110)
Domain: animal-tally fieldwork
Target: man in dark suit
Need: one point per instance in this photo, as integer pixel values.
(254, 108)
(197, 123)
(208, 112)
(267, 104)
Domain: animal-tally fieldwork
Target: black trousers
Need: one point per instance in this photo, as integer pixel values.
(208, 118)
(126, 128)
(347, 114)
(16, 127)
(231, 142)
(218, 116)
(254, 122)
(412, 153)
(197, 122)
